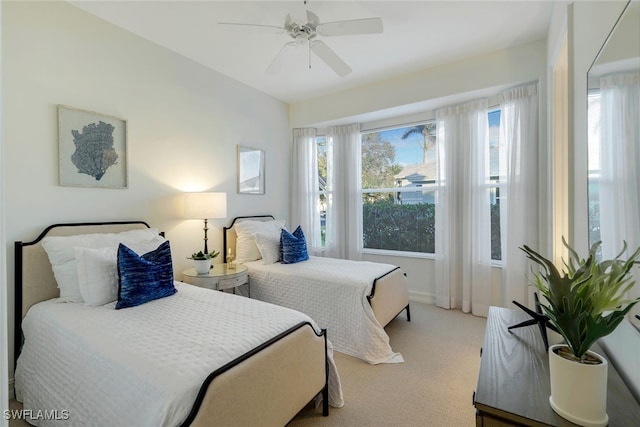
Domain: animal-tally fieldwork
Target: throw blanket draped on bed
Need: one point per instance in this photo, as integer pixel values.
(141, 366)
(334, 293)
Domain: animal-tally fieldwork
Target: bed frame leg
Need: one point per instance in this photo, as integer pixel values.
(325, 390)
(325, 401)
(408, 313)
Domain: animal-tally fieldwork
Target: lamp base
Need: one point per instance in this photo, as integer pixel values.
(206, 250)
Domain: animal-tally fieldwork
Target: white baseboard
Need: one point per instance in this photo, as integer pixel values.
(422, 297)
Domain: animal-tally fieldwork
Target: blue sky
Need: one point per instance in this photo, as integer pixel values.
(409, 151)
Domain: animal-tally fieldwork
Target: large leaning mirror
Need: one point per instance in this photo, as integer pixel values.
(614, 139)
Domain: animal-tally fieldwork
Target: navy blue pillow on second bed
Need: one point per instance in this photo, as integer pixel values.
(294, 246)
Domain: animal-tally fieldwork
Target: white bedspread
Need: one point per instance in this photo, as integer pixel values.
(334, 293)
(140, 366)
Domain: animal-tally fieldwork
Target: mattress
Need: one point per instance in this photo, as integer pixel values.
(333, 292)
(140, 366)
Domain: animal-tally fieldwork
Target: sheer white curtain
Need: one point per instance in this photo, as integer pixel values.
(305, 195)
(463, 223)
(620, 165)
(519, 197)
(343, 238)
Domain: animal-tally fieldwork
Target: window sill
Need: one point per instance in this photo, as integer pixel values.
(401, 254)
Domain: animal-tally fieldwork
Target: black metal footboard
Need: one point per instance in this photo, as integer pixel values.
(373, 291)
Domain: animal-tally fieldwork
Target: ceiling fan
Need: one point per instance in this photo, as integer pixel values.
(307, 32)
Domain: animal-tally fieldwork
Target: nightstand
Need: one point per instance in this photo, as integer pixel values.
(219, 278)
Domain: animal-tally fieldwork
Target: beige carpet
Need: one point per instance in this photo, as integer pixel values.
(433, 387)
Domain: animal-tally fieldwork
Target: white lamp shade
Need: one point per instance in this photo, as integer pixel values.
(206, 205)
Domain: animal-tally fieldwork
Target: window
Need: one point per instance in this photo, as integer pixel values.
(321, 147)
(497, 160)
(398, 189)
(593, 112)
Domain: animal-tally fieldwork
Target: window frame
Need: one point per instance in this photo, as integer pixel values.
(430, 186)
(399, 123)
(322, 192)
(500, 186)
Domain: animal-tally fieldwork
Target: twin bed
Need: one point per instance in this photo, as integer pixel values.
(197, 357)
(353, 300)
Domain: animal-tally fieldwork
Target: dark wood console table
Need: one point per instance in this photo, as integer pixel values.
(513, 382)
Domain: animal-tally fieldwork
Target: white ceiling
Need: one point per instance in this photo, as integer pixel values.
(417, 35)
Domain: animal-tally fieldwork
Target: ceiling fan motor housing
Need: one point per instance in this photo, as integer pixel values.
(301, 33)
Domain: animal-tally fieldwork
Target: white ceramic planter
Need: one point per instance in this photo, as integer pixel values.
(202, 266)
(579, 391)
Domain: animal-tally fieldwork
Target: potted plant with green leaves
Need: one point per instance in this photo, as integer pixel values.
(585, 302)
(202, 261)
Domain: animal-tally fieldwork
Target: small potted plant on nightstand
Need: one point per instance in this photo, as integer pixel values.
(585, 303)
(202, 261)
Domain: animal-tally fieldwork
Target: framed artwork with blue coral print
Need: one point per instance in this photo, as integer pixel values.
(92, 149)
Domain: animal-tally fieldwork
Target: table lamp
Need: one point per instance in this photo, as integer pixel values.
(205, 206)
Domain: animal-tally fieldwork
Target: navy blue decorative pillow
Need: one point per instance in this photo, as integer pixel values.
(297, 233)
(144, 278)
(294, 246)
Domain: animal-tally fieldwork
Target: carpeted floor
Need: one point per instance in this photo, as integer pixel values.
(433, 387)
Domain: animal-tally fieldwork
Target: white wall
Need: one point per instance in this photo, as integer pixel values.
(518, 64)
(4, 330)
(558, 132)
(586, 26)
(184, 122)
(441, 84)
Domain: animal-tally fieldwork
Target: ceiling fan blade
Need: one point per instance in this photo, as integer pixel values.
(288, 21)
(330, 58)
(352, 27)
(312, 18)
(276, 64)
(235, 26)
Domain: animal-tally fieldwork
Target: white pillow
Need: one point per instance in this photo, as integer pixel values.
(61, 253)
(246, 248)
(97, 274)
(269, 247)
(98, 270)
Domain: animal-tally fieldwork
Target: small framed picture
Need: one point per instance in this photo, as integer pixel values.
(92, 149)
(250, 170)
